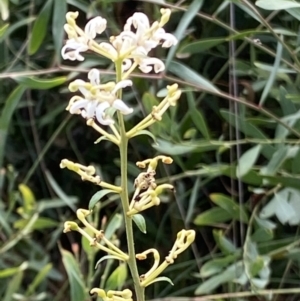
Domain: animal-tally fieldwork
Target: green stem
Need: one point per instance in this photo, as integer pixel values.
(139, 290)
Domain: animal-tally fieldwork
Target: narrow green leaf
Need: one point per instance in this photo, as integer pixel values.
(114, 224)
(98, 196)
(192, 77)
(6, 115)
(197, 116)
(9, 108)
(12, 271)
(237, 211)
(247, 160)
(40, 28)
(201, 46)
(58, 21)
(216, 265)
(77, 287)
(277, 5)
(117, 278)
(224, 244)
(162, 278)
(185, 20)
(15, 26)
(192, 201)
(139, 220)
(3, 29)
(232, 272)
(69, 200)
(212, 217)
(42, 274)
(106, 257)
(40, 83)
(13, 286)
(40, 223)
(276, 161)
(273, 74)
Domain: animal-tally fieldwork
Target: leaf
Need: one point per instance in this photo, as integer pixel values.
(139, 220)
(77, 287)
(8, 272)
(42, 274)
(40, 83)
(273, 74)
(190, 76)
(233, 271)
(216, 265)
(237, 211)
(13, 286)
(14, 27)
(201, 46)
(280, 207)
(247, 160)
(212, 217)
(40, 223)
(6, 115)
(58, 21)
(192, 201)
(117, 278)
(224, 244)
(276, 161)
(146, 132)
(197, 116)
(276, 5)
(114, 224)
(3, 29)
(162, 278)
(98, 196)
(106, 257)
(28, 198)
(69, 200)
(39, 29)
(185, 20)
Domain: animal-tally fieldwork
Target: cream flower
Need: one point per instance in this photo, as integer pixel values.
(138, 38)
(97, 98)
(78, 39)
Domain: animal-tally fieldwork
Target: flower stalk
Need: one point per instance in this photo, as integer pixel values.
(102, 104)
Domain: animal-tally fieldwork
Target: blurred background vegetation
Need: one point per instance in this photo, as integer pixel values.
(234, 137)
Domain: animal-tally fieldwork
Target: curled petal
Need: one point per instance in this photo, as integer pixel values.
(95, 26)
(90, 109)
(169, 40)
(121, 85)
(94, 76)
(126, 64)
(122, 107)
(100, 113)
(72, 49)
(145, 65)
(136, 20)
(79, 105)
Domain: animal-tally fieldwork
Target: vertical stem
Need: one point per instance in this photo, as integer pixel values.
(124, 197)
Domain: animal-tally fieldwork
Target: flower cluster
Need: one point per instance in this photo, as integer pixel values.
(131, 46)
(97, 103)
(97, 98)
(146, 190)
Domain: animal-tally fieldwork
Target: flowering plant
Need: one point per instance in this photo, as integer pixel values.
(102, 106)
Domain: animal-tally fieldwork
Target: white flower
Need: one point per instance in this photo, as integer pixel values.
(95, 26)
(78, 39)
(145, 65)
(71, 51)
(97, 98)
